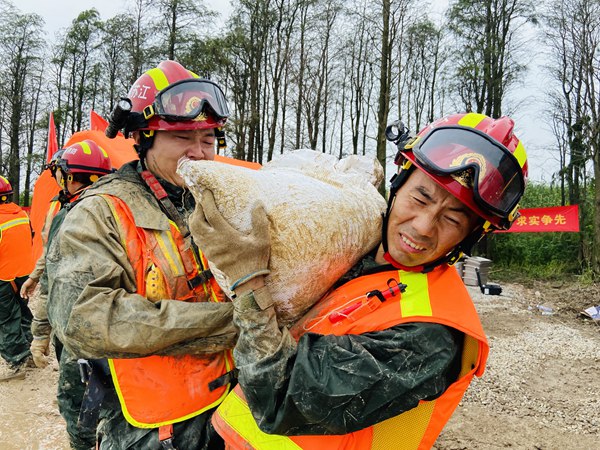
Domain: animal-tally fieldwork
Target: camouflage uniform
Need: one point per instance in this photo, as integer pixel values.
(283, 381)
(70, 389)
(96, 313)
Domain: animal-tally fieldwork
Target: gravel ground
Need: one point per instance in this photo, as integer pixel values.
(541, 388)
(542, 383)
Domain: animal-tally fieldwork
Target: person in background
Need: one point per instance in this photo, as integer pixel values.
(75, 169)
(56, 203)
(383, 360)
(131, 292)
(16, 262)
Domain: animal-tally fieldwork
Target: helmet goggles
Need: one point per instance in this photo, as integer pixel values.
(189, 100)
(51, 166)
(477, 162)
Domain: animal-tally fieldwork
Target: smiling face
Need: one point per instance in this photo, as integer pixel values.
(170, 146)
(425, 222)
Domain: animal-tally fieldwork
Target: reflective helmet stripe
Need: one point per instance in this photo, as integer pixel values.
(520, 154)
(471, 120)
(85, 147)
(159, 78)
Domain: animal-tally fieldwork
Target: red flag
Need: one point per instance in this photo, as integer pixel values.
(97, 122)
(52, 147)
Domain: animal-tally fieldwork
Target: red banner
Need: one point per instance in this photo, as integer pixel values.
(52, 145)
(553, 218)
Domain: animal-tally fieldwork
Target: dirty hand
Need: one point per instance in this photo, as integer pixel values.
(39, 349)
(241, 257)
(28, 288)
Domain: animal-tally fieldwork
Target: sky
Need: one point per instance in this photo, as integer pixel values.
(529, 117)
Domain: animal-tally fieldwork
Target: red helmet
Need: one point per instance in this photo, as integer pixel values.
(85, 157)
(477, 159)
(170, 97)
(5, 187)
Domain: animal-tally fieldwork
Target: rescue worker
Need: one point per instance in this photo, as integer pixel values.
(16, 262)
(383, 360)
(55, 205)
(128, 288)
(75, 169)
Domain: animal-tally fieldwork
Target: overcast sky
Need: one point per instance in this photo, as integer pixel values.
(531, 126)
(59, 13)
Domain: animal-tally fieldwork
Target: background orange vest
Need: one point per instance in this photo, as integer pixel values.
(437, 297)
(16, 255)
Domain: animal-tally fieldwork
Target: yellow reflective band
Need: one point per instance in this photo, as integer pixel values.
(520, 154)
(171, 252)
(86, 148)
(159, 78)
(415, 300)
(117, 219)
(104, 152)
(13, 223)
(471, 120)
(233, 407)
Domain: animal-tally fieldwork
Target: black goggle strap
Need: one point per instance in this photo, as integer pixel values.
(135, 121)
(220, 135)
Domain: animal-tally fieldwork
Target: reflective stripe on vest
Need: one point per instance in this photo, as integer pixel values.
(14, 223)
(53, 209)
(437, 297)
(159, 390)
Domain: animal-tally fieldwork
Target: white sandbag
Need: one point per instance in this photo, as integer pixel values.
(325, 214)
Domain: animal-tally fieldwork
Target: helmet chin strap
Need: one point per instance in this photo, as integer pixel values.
(146, 140)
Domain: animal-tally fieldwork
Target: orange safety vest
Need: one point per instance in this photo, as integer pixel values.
(16, 245)
(155, 391)
(439, 297)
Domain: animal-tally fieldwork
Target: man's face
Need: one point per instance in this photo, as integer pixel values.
(426, 222)
(170, 146)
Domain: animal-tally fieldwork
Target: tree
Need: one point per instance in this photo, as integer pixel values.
(116, 68)
(486, 46)
(20, 50)
(179, 23)
(573, 32)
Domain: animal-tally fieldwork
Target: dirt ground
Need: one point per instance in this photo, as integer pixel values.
(541, 389)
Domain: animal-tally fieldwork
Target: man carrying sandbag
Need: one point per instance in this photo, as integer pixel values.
(383, 360)
(130, 291)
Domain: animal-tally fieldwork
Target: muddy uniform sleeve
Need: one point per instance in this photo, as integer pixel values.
(40, 327)
(40, 264)
(337, 384)
(93, 307)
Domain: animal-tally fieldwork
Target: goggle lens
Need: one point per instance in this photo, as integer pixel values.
(487, 167)
(191, 100)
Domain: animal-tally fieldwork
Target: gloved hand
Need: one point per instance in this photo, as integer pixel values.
(241, 257)
(27, 288)
(40, 348)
